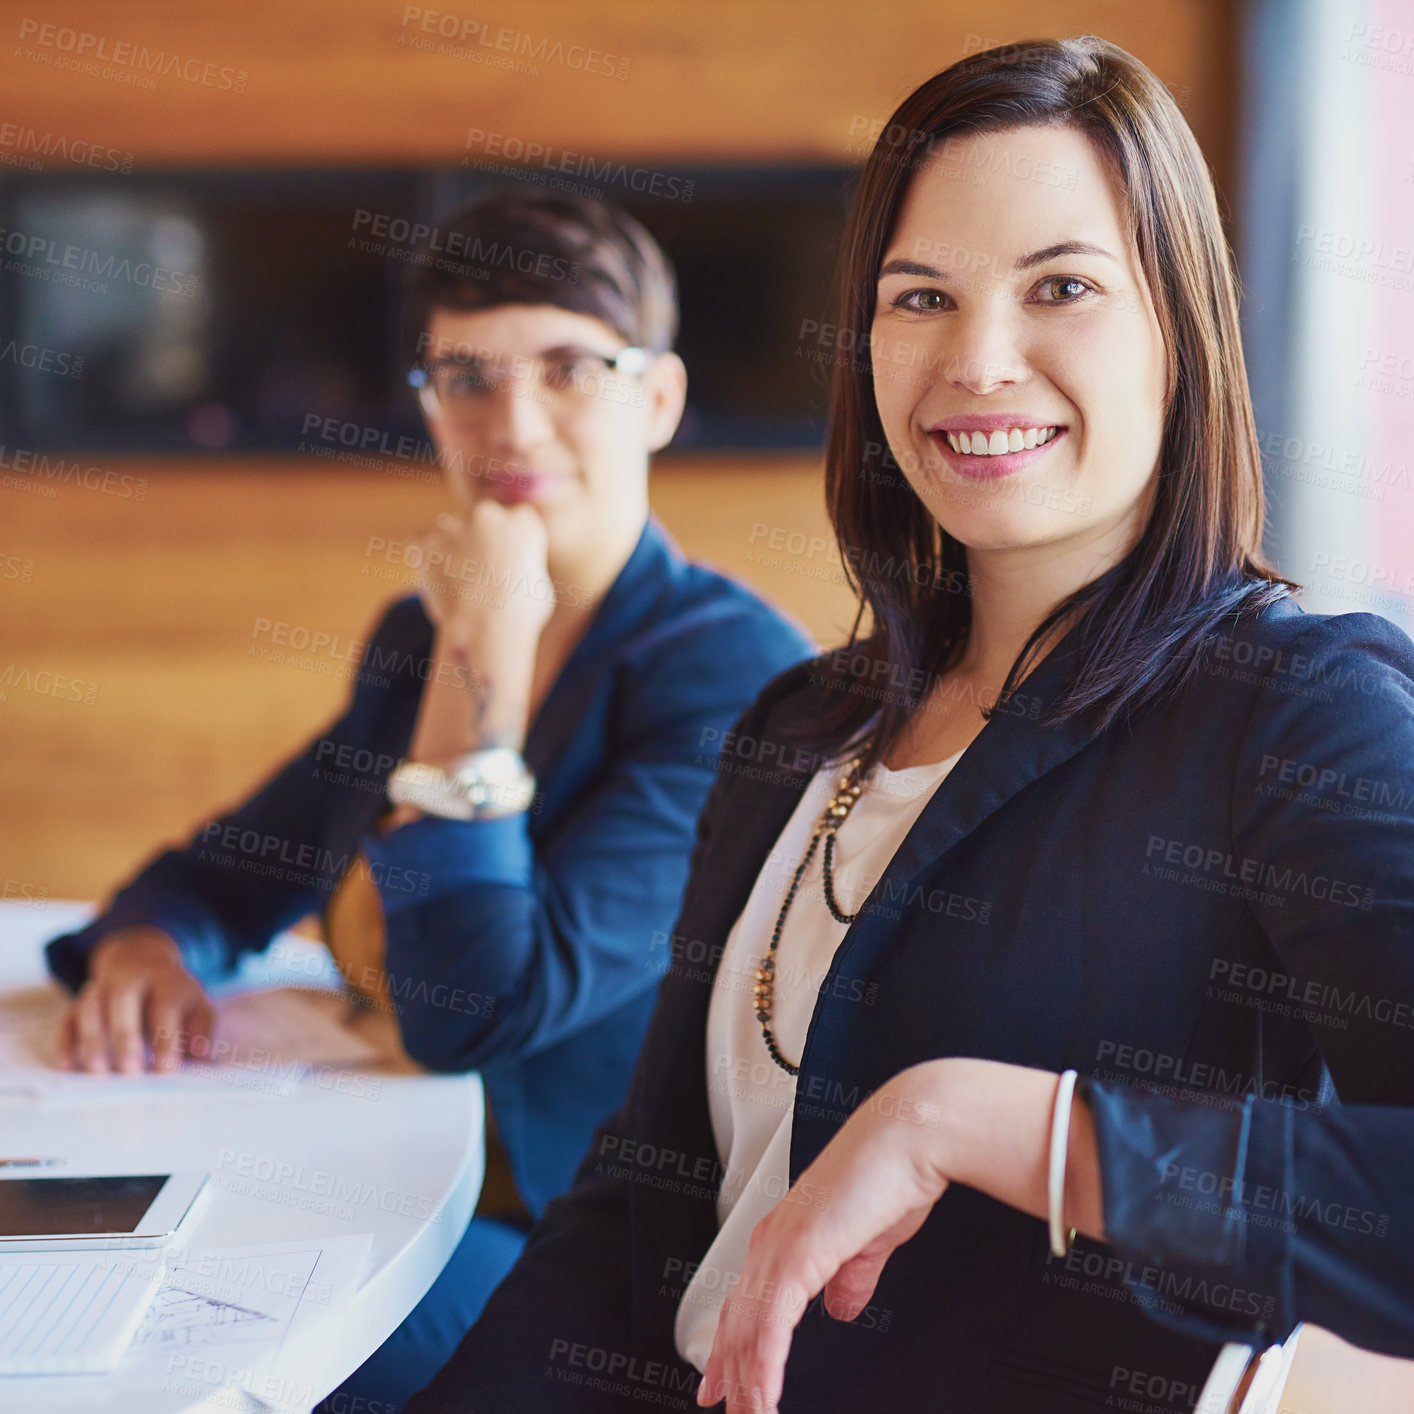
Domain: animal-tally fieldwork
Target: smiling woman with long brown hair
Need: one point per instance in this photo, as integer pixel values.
(1030, 827)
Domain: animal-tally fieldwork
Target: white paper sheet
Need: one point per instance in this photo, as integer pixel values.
(223, 1316)
(71, 1313)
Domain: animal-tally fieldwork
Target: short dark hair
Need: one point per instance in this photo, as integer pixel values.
(516, 245)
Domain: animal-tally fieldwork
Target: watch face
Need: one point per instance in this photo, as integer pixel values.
(481, 784)
(496, 765)
(425, 788)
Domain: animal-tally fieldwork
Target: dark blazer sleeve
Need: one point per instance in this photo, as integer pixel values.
(1309, 1207)
(1319, 1224)
(541, 944)
(270, 861)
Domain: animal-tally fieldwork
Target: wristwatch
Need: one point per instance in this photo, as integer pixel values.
(483, 785)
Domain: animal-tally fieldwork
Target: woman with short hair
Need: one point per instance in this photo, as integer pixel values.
(496, 831)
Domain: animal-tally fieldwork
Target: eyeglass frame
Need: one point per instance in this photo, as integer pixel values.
(631, 361)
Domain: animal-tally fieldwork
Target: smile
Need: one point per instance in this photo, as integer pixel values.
(1000, 441)
(987, 454)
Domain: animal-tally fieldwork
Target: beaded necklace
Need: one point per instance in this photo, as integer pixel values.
(847, 791)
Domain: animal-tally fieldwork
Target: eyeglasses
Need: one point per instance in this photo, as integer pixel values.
(565, 377)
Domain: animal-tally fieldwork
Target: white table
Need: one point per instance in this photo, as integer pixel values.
(367, 1148)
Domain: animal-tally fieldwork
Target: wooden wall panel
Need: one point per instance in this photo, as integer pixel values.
(345, 81)
(142, 677)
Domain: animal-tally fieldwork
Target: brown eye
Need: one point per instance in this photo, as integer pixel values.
(922, 300)
(1063, 282)
(571, 373)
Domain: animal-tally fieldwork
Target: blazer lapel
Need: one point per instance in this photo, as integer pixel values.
(1013, 750)
(1009, 753)
(628, 604)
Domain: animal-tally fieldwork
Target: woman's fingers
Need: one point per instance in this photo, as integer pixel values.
(786, 1266)
(847, 1293)
(122, 1009)
(750, 1373)
(110, 1022)
(200, 1024)
(757, 1326)
(68, 1041)
(166, 1012)
(138, 990)
(180, 1021)
(851, 1288)
(869, 1190)
(103, 1028)
(90, 1044)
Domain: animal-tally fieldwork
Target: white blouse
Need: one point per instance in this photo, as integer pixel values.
(749, 1095)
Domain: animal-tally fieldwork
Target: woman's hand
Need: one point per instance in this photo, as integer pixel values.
(487, 564)
(869, 1191)
(490, 595)
(138, 991)
(980, 1123)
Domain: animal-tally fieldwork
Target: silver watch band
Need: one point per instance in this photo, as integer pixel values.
(482, 785)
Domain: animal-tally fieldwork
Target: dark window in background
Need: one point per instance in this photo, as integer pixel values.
(206, 312)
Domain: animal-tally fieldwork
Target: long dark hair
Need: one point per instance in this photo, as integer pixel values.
(1144, 624)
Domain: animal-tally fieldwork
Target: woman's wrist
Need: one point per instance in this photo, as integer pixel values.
(141, 944)
(947, 1091)
(993, 1133)
(476, 697)
(485, 632)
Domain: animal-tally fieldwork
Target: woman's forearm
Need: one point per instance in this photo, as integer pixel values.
(982, 1124)
(477, 694)
(482, 673)
(994, 1135)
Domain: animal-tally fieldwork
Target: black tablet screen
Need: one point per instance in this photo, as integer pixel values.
(36, 1207)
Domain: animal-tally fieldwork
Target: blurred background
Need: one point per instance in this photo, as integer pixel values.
(206, 213)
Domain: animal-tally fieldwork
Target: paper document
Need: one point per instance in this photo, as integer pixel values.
(62, 1314)
(289, 1025)
(228, 1318)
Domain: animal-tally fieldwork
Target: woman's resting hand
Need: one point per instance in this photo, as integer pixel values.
(138, 992)
(981, 1123)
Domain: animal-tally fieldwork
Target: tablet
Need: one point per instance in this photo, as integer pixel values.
(114, 1210)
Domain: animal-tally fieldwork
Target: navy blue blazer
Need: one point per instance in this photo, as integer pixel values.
(1215, 901)
(528, 948)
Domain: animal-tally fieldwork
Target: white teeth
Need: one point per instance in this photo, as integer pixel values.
(1011, 439)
